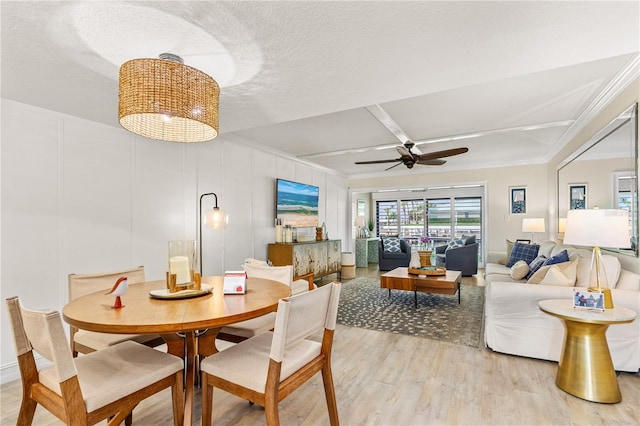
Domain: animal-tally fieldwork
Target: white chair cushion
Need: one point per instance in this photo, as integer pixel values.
(252, 327)
(99, 341)
(115, 372)
(247, 362)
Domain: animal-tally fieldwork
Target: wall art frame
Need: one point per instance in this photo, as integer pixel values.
(518, 200)
(578, 196)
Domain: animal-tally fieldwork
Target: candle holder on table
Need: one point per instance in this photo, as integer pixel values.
(182, 273)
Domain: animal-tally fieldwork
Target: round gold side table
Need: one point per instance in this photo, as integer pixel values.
(585, 368)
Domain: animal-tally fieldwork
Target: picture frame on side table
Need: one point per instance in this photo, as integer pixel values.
(518, 200)
(585, 299)
(577, 196)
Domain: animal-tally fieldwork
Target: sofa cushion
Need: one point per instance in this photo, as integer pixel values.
(546, 247)
(526, 252)
(536, 264)
(612, 269)
(519, 270)
(496, 269)
(561, 276)
(503, 261)
(391, 244)
(542, 272)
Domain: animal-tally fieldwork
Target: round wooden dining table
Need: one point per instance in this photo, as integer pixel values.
(189, 326)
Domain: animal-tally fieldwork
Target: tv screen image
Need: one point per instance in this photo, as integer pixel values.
(296, 203)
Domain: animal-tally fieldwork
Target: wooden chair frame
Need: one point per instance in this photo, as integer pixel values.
(275, 390)
(70, 408)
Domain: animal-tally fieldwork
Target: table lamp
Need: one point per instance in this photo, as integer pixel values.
(533, 224)
(562, 226)
(598, 228)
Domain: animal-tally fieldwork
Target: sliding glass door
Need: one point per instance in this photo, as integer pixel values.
(439, 219)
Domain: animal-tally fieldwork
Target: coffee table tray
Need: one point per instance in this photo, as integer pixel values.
(428, 270)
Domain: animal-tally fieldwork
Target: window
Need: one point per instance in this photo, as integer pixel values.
(439, 218)
(412, 220)
(387, 218)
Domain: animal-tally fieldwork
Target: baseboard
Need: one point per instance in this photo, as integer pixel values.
(11, 372)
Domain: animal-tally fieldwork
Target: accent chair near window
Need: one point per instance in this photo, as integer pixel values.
(392, 256)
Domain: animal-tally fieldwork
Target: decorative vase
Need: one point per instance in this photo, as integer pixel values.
(415, 260)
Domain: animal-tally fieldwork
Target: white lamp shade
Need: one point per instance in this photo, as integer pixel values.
(217, 219)
(598, 228)
(562, 224)
(533, 224)
(359, 220)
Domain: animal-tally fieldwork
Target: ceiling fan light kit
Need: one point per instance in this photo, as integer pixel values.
(166, 100)
(409, 159)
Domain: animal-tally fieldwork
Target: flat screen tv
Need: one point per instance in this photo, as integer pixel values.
(296, 203)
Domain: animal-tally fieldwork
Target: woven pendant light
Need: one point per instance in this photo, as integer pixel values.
(166, 100)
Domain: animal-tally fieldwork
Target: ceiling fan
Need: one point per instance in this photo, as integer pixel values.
(408, 158)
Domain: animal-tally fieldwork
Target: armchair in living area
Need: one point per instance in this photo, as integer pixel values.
(461, 254)
(393, 253)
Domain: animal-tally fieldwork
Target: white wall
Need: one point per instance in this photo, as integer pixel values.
(80, 197)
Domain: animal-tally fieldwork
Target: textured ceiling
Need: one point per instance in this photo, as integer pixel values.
(506, 79)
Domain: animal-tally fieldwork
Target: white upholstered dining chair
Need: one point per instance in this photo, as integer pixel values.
(83, 341)
(105, 384)
(268, 367)
(242, 330)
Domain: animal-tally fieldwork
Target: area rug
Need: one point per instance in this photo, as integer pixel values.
(364, 304)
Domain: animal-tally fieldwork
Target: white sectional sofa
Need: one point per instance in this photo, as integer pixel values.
(515, 325)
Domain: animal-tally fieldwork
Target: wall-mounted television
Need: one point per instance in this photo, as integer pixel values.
(296, 203)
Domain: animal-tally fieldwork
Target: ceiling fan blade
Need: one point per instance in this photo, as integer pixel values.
(403, 151)
(395, 165)
(378, 161)
(434, 162)
(445, 153)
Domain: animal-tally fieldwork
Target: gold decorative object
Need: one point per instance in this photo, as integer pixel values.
(425, 257)
(428, 270)
(166, 100)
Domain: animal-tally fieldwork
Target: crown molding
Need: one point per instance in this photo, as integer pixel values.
(612, 90)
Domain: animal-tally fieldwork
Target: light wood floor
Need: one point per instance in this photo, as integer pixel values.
(389, 379)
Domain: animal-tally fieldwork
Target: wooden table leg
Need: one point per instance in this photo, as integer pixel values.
(191, 344)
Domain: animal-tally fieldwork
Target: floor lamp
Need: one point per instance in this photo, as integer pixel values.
(216, 218)
(598, 228)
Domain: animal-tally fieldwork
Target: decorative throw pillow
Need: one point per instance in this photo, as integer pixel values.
(536, 264)
(503, 261)
(519, 270)
(391, 245)
(469, 239)
(541, 273)
(563, 256)
(455, 242)
(559, 276)
(526, 252)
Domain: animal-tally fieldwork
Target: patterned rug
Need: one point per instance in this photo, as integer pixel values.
(364, 304)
